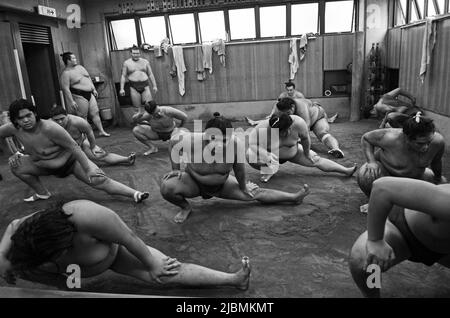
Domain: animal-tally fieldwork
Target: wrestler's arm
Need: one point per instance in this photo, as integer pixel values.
(301, 109)
(123, 76)
(7, 130)
(407, 193)
(436, 164)
(177, 114)
(84, 127)
(303, 134)
(62, 138)
(65, 85)
(105, 225)
(274, 110)
(372, 139)
(253, 142)
(239, 168)
(151, 76)
(140, 117)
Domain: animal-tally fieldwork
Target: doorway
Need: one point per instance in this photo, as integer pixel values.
(41, 70)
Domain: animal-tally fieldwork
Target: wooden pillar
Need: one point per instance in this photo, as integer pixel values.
(372, 28)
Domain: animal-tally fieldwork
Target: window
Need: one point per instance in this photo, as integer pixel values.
(414, 13)
(441, 6)
(123, 34)
(400, 12)
(304, 18)
(273, 21)
(153, 30)
(431, 9)
(242, 24)
(421, 8)
(338, 16)
(182, 27)
(212, 25)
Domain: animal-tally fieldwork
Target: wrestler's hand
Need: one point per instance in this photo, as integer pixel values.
(379, 253)
(95, 93)
(168, 267)
(373, 169)
(94, 174)
(122, 92)
(310, 157)
(249, 188)
(175, 173)
(74, 107)
(155, 89)
(14, 160)
(97, 151)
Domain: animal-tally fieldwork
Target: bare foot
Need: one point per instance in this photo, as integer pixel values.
(333, 118)
(182, 215)
(337, 153)
(302, 194)
(131, 158)
(243, 275)
(251, 122)
(140, 196)
(266, 177)
(150, 151)
(104, 134)
(352, 170)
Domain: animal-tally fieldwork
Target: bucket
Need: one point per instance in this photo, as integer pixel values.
(106, 114)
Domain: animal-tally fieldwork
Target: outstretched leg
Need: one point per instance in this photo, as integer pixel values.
(232, 191)
(107, 158)
(189, 275)
(109, 185)
(323, 164)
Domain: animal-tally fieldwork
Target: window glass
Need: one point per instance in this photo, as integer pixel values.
(212, 25)
(182, 27)
(123, 34)
(304, 18)
(242, 24)
(153, 30)
(338, 16)
(272, 21)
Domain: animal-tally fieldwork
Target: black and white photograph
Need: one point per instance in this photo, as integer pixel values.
(237, 150)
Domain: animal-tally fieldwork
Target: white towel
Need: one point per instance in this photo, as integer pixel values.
(293, 58)
(429, 40)
(181, 68)
(207, 57)
(302, 45)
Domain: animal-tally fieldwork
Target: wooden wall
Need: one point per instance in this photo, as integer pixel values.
(337, 51)
(254, 71)
(434, 93)
(9, 80)
(394, 39)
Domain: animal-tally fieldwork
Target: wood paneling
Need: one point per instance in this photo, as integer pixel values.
(433, 94)
(337, 51)
(393, 48)
(9, 80)
(254, 71)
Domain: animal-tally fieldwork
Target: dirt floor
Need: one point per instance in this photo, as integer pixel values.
(295, 251)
